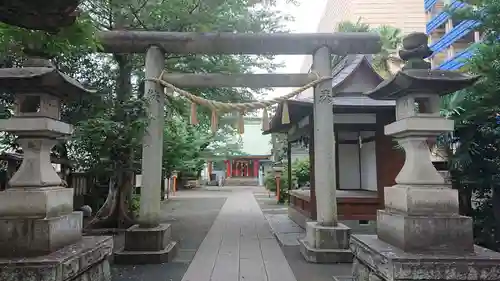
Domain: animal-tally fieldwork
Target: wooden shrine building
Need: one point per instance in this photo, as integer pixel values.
(244, 166)
(366, 160)
(246, 169)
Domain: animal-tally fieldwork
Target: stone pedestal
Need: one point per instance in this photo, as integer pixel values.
(41, 238)
(424, 220)
(326, 244)
(376, 260)
(85, 260)
(147, 246)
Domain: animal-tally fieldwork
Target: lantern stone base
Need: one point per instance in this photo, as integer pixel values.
(326, 244)
(375, 260)
(450, 234)
(85, 260)
(43, 202)
(26, 237)
(147, 246)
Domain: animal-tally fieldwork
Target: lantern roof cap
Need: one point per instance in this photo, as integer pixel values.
(417, 75)
(48, 80)
(48, 16)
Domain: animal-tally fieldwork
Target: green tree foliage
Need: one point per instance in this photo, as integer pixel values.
(391, 39)
(473, 148)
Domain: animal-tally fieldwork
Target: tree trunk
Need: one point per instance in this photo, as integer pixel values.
(162, 188)
(464, 194)
(465, 201)
(496, 215)
(115, 212)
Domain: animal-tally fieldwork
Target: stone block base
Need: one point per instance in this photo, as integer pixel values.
(450, 234)
(315, 255)
(27, 237)
(375, 260)
(147, 239)
(326, 244)
(147, 257)
(298, 217)
(86, 260)
(44, 202)
(147, 246)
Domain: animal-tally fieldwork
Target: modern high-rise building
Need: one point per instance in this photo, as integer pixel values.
(450, 39)
(407, 15)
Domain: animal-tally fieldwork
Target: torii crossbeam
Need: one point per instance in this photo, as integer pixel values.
(239, 43)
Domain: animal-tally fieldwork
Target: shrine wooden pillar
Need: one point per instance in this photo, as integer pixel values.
(255, 168)
(209, 168)
(228, 168)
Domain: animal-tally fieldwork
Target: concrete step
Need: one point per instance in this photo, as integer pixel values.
(342, 278)
(242, 182)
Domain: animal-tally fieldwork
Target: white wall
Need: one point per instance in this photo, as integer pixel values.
(368, 166)
(357, 166)
(349, 166)
(348, 154)
(254, 143)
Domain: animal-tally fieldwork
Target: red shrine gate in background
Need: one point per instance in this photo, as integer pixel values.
(245, 166)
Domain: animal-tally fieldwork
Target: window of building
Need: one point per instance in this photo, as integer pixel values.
(466, 39)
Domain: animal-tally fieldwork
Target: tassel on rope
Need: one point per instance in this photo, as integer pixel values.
(213, 121)
(241, 123)
(265, 120)
(194, 115)
(285, 115)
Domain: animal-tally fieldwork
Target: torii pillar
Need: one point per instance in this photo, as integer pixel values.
(327, 240)
(149, 242)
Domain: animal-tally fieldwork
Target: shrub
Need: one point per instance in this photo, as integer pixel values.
(301, 171)
(270, 183)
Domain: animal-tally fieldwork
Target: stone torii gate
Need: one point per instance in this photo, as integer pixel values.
(150, 236)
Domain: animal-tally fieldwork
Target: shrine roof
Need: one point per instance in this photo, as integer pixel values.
(236, 157)
(345, 69)
(352, 78)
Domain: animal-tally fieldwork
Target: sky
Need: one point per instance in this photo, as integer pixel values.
(307, 15)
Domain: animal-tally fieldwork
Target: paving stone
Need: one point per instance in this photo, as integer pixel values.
(289, 239)
(281, 223)
(239, 246)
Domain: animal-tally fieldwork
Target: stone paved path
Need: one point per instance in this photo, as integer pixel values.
(239, 246)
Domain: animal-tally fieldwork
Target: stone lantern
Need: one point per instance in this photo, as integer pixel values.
(39, 232)
(420, 234)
